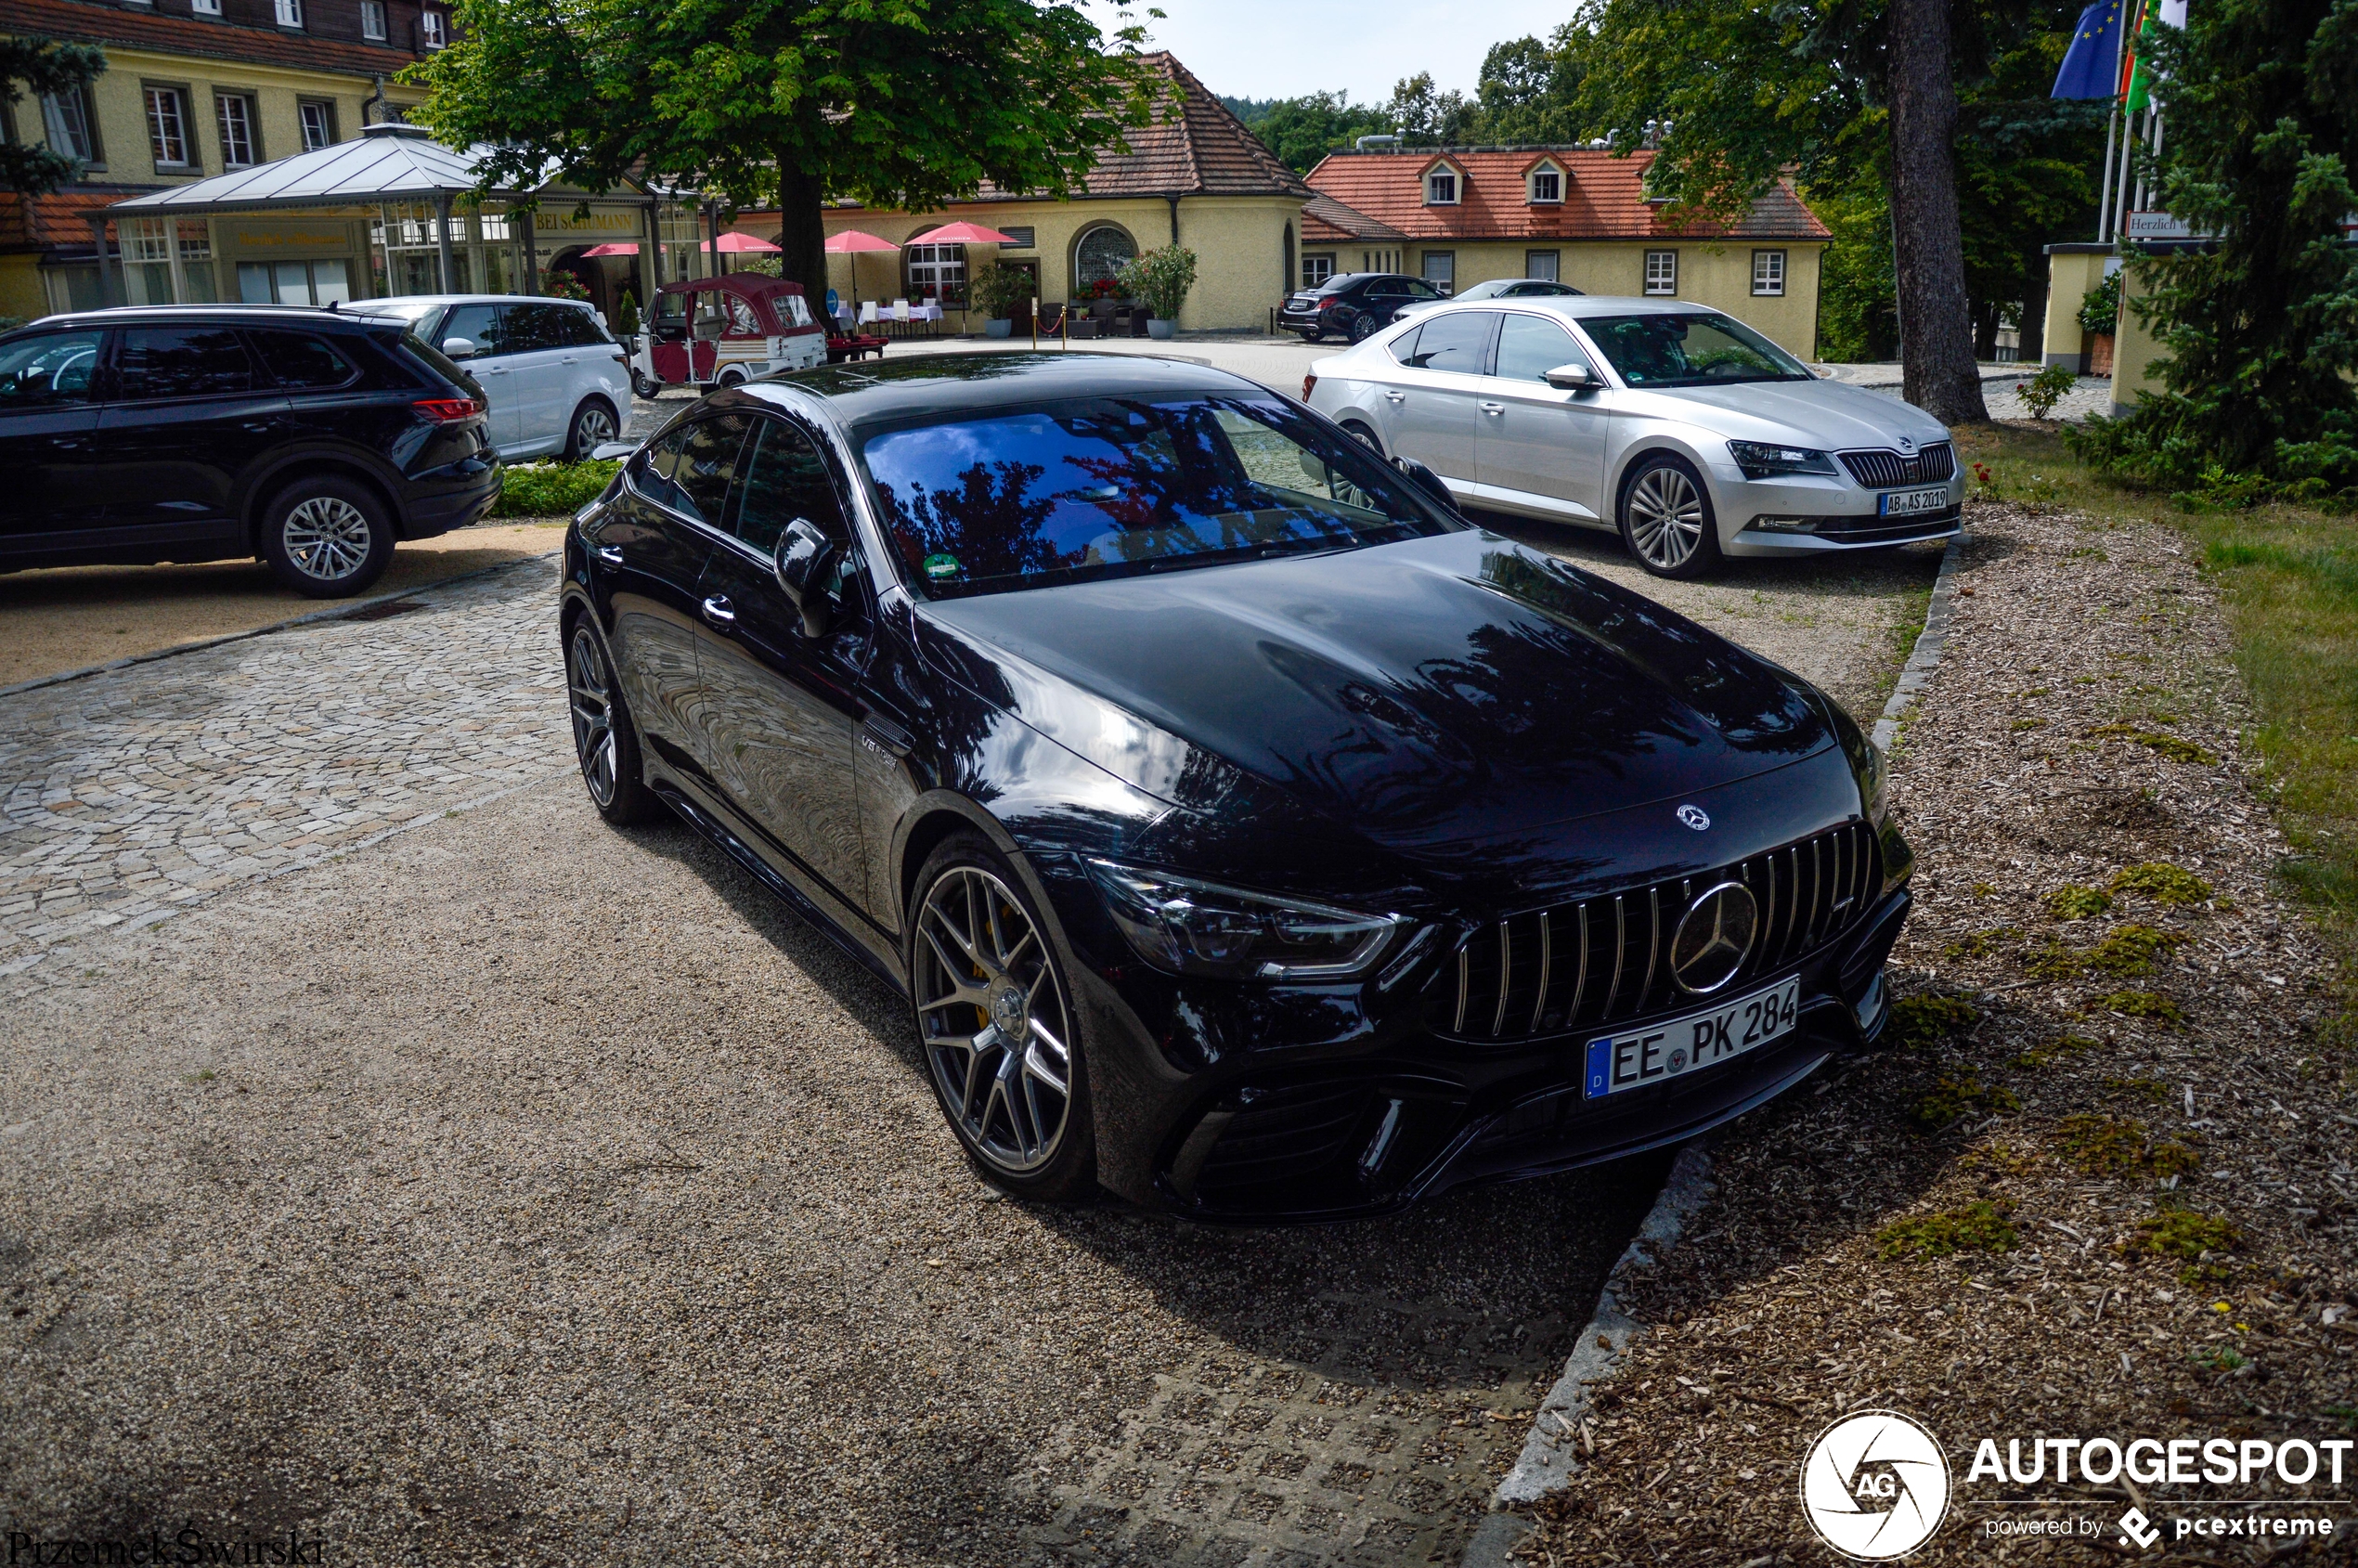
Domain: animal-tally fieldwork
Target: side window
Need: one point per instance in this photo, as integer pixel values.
(182, 362)
(479, 324)
(691, 470)
(742, 322)
(1404, 348)
(1529, 348)
(300, 359)
(1459, 342)
(580, 328)
(788, 478)
(48, 371)
(532, 328)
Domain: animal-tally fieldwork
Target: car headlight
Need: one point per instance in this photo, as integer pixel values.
(1761, 460)
(1191, 928)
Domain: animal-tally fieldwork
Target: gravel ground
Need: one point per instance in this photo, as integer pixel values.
(2104, 1183)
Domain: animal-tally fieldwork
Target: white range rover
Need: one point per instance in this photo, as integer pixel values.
(558, 383)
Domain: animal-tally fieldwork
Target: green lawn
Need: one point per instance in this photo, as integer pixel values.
(2288, 577)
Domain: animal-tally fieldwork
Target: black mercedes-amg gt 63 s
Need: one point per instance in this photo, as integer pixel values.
(1251, 834)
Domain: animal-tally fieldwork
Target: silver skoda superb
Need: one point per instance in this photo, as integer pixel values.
(1694, 435)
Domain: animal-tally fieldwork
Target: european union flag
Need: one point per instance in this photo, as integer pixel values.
(2090, 68)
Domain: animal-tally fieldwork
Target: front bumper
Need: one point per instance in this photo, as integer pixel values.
(1811, 515)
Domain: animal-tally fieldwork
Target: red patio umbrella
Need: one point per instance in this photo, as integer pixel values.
(611, 250)
(733, 243)
(963, 234)
(852, 243)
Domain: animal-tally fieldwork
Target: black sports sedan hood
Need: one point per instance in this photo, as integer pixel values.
(1431, 692)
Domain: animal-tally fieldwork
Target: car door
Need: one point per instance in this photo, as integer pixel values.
(1431, 398)
(1538, 449)
(652, 547)
(483, 324)
(538, 353)
(188, 413)
(784, 705)
(57, 488)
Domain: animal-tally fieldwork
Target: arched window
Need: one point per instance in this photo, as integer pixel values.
(1102, 251)
(937, 272)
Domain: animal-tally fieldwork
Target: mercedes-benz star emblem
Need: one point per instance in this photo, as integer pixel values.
(1714, 937)
(1694, 817)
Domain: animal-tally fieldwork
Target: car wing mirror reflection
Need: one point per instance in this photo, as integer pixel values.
(803, 560)
(1575, 377)
(611, 451)
(1432, 484)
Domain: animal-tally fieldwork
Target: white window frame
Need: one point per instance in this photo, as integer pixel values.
(1433, 180)
(1447, 281)
(1316, 267)
(326, 113)
(167, 109)
(1544, 172)
(66, 117)
(246, 111)
(1661, 273)
(372, 19)
(430, 31)
(1768, 274)
(1552, 260)
(943, 269)
(289, 12)
(205, 7)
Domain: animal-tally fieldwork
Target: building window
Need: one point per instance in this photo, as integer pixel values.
(1662, 272)
(372, 20)
(1101, 255)
(238, 119)
(430, 28)
(290, 13)
(318, 124)
(205, 7)
(937, 272)
(1317, 270)
(168, 127)
(1546, 186)
(67, 118)
(1542, 263)
(1441, 188)
(1768, 272)
(1441, 269)
(1020, 236)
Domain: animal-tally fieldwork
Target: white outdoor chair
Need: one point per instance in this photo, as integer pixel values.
(867, 313)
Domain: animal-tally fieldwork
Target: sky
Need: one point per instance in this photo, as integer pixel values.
(1255, 49)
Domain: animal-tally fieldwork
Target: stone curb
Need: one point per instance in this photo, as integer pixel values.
(1925, 657)
(336, 612)
(1547, 1461)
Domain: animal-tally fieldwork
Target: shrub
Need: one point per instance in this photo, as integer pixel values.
(1161, 278)
(563, 286)
(995, 290)
(1920, 1020)
(1980, 1226)
(2043, 391)
(626, 315)
(2100, 306)
(2163, 883)
(552, 489)
(2072, 901)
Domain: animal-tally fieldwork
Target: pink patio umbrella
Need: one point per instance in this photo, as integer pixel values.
(733, 243)
(852, 243)
(963, 234)
(609, 250)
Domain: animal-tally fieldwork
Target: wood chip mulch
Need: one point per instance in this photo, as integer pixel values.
(2101, 1183)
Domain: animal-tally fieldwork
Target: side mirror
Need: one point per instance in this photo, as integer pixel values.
(802, 560)
(1575, 377)
(458, 348)
(610, 451)
(1425, 479)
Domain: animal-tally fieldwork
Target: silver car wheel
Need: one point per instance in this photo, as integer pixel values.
(1665, 516)
(592, 703)
(327, 538)
(992, 1014)
(592, 428)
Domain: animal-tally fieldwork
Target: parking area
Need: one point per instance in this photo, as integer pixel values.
(397, 1156)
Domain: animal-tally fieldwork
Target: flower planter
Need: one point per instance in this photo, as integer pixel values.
(1157, 328)
(998, 326)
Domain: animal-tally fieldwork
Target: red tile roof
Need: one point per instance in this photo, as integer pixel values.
(1603, 199)
(1325, 221)
(56, 220)
(192, 35)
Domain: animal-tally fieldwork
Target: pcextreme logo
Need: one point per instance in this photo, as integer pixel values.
(1875, 1485)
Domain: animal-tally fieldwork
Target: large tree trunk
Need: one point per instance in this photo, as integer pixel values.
(802, 229)
(1935, 331)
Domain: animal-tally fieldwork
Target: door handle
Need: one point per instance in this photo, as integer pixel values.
(1397, 396)
(610, 555)
(570, 360)
(716, 611)
(1493, 408)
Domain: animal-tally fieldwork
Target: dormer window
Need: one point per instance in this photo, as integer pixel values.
(1441, 188)
(1546, 186)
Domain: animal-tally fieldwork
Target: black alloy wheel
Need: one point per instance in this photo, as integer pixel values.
(1363, 327)
(327, 536)
(995, 1021)
(604, 739)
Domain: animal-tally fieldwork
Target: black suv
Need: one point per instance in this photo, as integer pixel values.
(1352, 304)
(312, 439)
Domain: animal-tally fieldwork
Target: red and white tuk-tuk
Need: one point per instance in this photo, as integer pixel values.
(726, 329)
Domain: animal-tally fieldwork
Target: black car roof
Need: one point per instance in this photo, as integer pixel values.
(295, 314)
(866, 395)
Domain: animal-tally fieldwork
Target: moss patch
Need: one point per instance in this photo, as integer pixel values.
(2066, 1046)
(2103, 1146)
(2145, 1004)
(1981, 944)
(2071, 901)
(2196, 1239)
(2130, 950)
(1961, 1094)
(2163, 883)
(1980, 1226)
(2176, 748)
(1920, 1020)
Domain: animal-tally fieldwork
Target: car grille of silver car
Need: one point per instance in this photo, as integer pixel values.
(1607, 959)
(1884, 471)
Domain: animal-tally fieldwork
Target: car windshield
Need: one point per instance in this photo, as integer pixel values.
(1102, 487)
(1689, 350)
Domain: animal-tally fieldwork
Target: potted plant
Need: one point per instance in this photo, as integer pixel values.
(2100, 317)
(1162, 279)
(996, 291)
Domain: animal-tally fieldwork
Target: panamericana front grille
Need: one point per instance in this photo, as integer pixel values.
(1607, 958)
(1885, 471)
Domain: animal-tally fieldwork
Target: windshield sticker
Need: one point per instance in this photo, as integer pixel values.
(938, 568)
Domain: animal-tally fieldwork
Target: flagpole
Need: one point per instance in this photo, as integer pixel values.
(2104, 201)
(2105, 231)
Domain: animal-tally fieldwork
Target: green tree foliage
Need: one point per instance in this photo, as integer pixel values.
(30, 68)
(2259, 102)
(1427, 117)
(1529, 90)
(1300, 131)
(787, 102)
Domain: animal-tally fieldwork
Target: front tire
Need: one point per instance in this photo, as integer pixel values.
(327, 536)
(594, 425)
(1666, 519)
(605, 741)
(996, 1020)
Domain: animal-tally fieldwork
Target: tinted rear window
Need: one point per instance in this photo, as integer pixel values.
(182, 362)
(300, 359)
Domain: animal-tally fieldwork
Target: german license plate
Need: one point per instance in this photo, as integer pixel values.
(1663, 1051)
(1910, 503)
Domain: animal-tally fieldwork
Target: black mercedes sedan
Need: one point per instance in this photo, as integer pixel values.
(1250, 834)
